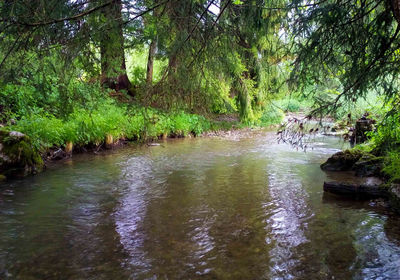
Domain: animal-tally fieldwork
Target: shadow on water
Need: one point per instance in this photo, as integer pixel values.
(194, 208)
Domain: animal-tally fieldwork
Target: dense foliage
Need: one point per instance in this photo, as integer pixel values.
(350, 50)
(77, 71)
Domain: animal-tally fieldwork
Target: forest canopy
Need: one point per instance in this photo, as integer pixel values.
(227, 49)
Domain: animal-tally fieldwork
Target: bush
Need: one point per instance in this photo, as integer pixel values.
(392, 165)
(271, 115)
(43, 129)
(385, 141)
(289, 105)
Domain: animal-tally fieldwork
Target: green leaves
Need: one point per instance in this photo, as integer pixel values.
(352, 43)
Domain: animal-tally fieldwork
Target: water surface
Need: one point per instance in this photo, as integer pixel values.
(203, 208)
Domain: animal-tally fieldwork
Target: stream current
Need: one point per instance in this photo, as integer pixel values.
(202, 208)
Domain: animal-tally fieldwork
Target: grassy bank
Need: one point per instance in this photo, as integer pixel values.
(110, 121)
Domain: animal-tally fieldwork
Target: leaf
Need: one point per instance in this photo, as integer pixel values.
(237, 2)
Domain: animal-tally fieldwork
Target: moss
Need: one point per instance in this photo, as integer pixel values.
(23, 158)
(353, 154)
(23, 153)
(385, 185)
(369, 165)
(342, 161)
(3, 133)
(367, 157)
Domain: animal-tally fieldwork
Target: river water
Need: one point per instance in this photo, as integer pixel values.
(204, 208)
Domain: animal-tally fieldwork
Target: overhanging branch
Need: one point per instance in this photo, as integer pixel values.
(74, 17)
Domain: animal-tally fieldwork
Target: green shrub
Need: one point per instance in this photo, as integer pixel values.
(392, 165)
(43, 129)
(289, 105)
(134, 127)
(18, 99)
(271, 115)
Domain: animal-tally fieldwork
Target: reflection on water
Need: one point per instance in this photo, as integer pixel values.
(194, 208)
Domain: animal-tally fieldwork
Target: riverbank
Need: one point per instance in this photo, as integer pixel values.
(371, 178)
(30, 142)
(108, 126)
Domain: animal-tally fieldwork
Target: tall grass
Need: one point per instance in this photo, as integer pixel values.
(84, 127)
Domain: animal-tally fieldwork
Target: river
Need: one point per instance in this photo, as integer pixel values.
(196, 208)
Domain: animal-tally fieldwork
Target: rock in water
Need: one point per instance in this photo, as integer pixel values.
(18, 157)
(153, 144)
(357, 190)
(58, 155)
(341, 161)
(394, 196)
(369, 165)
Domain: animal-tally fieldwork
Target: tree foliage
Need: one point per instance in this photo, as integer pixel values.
(221, 55)
(351, 43)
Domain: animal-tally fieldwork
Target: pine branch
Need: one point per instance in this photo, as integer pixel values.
(53, 21)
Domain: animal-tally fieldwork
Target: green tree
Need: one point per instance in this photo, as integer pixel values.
(354, 42)
(113, 65)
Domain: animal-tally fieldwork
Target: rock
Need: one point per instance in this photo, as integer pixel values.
(18, 157)
(364, 164)
(394, 196)
(153, 144)
(16, 134)
(368, 165)
(341, 161)
(357, 190)
(58, 155)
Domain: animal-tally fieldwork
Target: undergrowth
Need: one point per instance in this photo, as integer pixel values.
(84, 127)
(270, 116)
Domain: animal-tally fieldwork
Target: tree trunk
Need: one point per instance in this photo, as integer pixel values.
(152, 51)
(396, 10)
(173, 67)
(150, 63)
(245, 110)
(113, 68)
(179, 18)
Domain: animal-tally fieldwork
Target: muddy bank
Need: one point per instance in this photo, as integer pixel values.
(19, 158)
